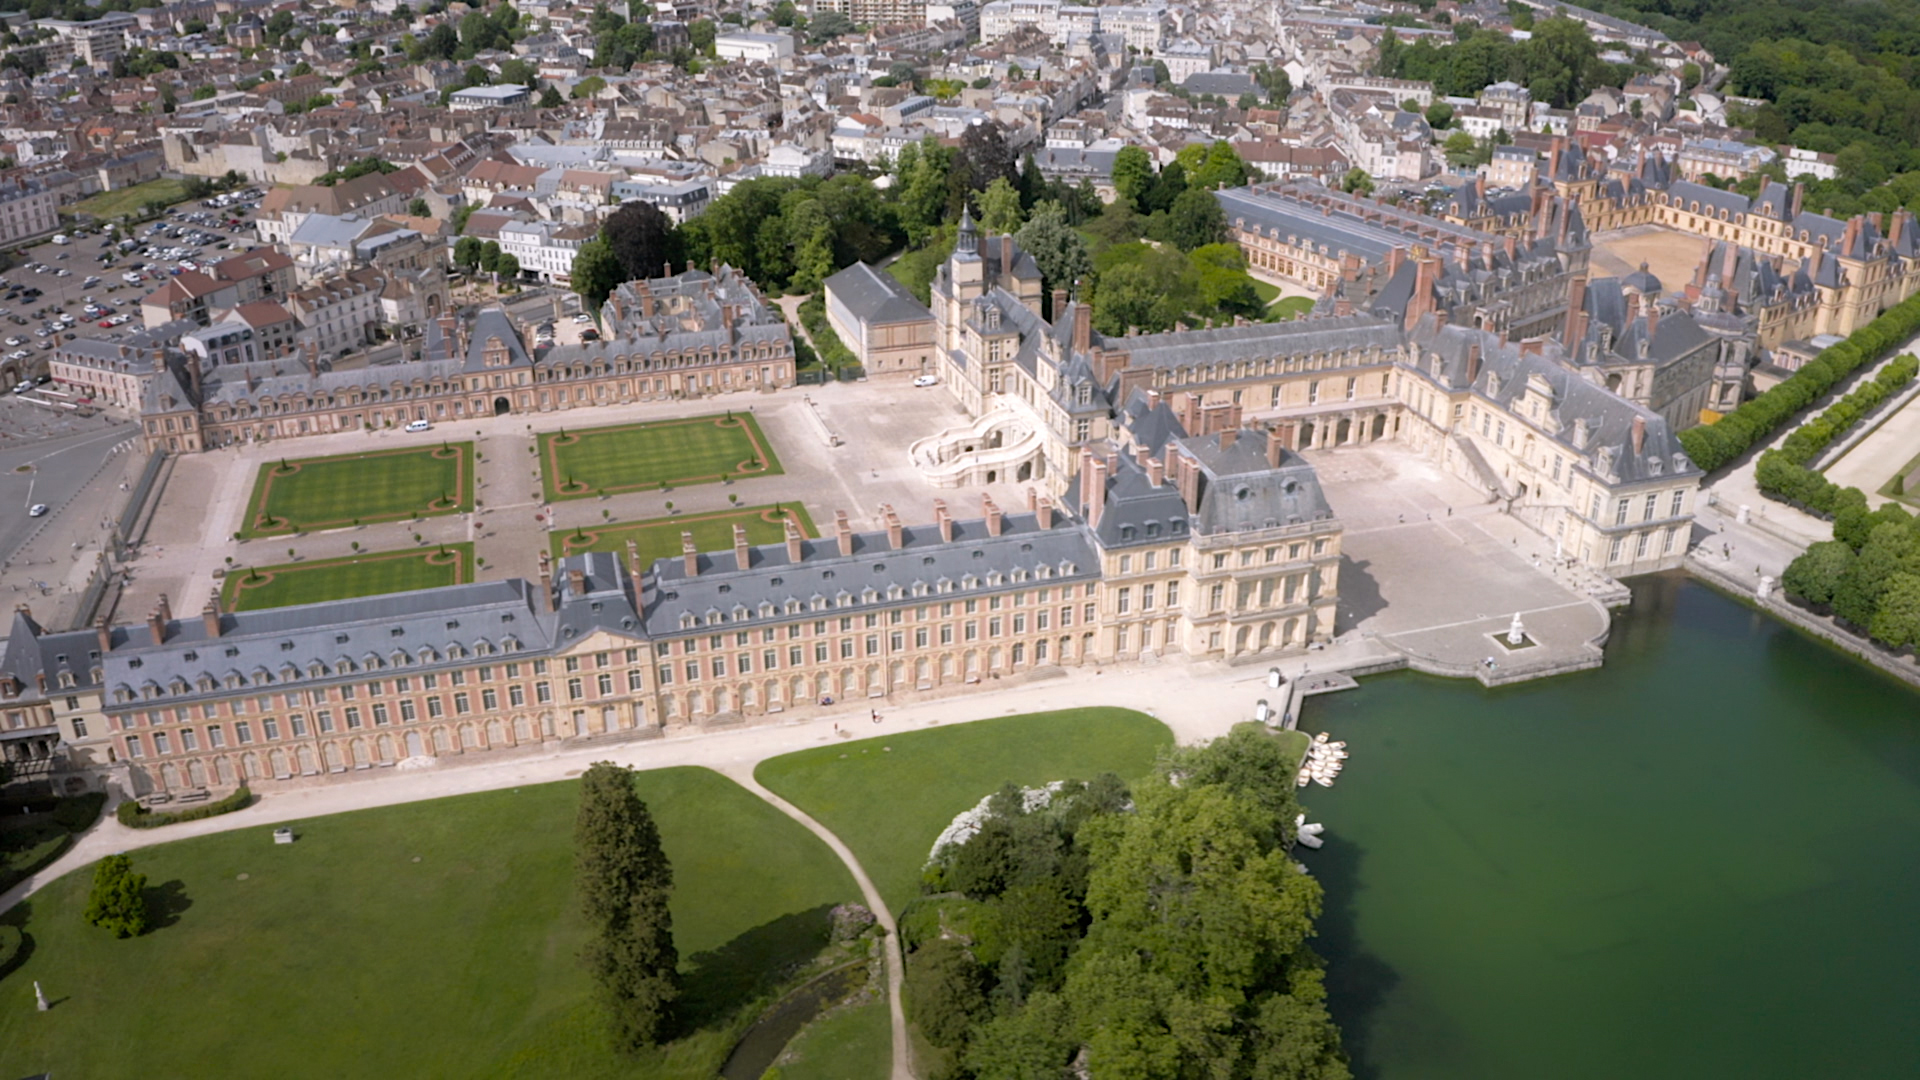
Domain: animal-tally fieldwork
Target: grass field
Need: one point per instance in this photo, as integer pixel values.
(659, 538)
(887, 798)
(434, 939)
(128, 200)
(1290, 307)
(311, 494)
(367, 574)
(853, 1043)
(638, 457)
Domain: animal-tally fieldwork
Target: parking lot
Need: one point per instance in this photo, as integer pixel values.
(51, 278)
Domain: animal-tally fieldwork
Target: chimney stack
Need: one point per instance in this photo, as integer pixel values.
(742, 553)
(105, 633)
(1043, 514)
(844, 531)
(1639, 434)
(210, 618)
(896, 535)
(1227, 437)
(1576, 311)
(1082, 327)
(578, 580)
(991, 513)
(546, 582)
(795, 553)
(1156, 471)
(166, 609)
(633, 562)
(689, 555)
(157, 626)
(1473, 363)
(1059, 303)
(1275, 446)
(1033, 499)
(1093, 483)
(944, 520)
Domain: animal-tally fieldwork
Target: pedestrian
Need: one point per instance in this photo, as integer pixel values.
(875, 713)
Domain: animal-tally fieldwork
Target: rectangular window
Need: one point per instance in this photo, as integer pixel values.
(380, 718)
(402, 685)
(1613, 551)
(458, 678)
(216, 738)
(1679, 498)
(1125, 603)
(543, 693)
(1556, 468)
(1666, 546)
(134, 748)
(188, 740)
(605, 685)
(719, 667)
(769, 660)
(693, 671)
(353, 717)
(1640, 545)
(846, 648)
(1653, 505)
(1594, 511)
(1146, 598)
(666, 674)
(373, 689)
(819, 652)
(795, 656)
(1173, 593)
(407, 715)
(269, 726)
(462, 703)
(160, 744)
(435, 709)
(1620, 512)
(346, 693)
(516, 695)
(490, 699)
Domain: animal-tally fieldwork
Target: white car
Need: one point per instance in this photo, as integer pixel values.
(16, 341)
(419, 425)
(582, 319)
(927, 380)
(37, 510)
(17, 354)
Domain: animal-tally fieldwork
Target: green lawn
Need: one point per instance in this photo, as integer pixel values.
(635, 457)
(128, 200)
(310, 494)
(368, 574)
(1266, 291)
(659, 538)
(852, 1043)
(889, 797)
(434, 939)
(1291, 307)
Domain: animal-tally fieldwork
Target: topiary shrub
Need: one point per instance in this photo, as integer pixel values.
(135, 816)
(78, 813)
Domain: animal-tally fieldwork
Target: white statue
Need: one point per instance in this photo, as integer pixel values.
(41, 997)
(1516, 634)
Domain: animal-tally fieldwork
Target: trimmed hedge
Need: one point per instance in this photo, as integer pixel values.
(1782, 473)
(135, 816)
(1713, 445)
(832, 351)
(77, 813)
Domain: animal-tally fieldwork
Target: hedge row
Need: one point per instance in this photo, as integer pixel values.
(135, 816)
(1782, 473)
(832, 351)
(1713, 445)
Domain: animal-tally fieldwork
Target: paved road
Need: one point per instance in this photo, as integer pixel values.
(59, 469)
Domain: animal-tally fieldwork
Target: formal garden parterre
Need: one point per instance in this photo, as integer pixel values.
(313, 494)
(371, 573)
(579, 464)
(659, 538)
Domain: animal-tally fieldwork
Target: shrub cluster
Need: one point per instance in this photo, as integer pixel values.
(1711, 446)
(832, 352)
(1783, 474)
(135, 816)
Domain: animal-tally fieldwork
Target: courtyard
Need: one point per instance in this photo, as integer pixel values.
(316, 493)
(590, 462)
(659, 538)
(369, 574)
(1670, 255)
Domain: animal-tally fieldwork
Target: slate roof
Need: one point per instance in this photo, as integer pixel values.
(875, 298)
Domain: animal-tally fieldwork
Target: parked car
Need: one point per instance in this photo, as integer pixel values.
(419, 425)
(927, 380)
(38, 510)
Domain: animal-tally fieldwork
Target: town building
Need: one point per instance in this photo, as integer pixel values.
(886, 329)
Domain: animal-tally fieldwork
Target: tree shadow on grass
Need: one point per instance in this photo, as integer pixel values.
(165, 903)
(718, 982)
(17, 917)
(1357, 981)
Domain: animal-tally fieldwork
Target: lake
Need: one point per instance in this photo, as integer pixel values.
(1702, 860)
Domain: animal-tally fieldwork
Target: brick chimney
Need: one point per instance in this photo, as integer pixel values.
(633, 561)
(1082, 327)
(1059, 303)
(1653, 321)
(1093, 489)
(1043, 514)
(795, 552)
(844, 531)
(209, 618)
(689, 555)
(742, 552)
(992, 513)
(577, 579)
(896, 533)
(104, 633)
(944, 520)
(1275, 446)
(165, 608)
(1426, 270)
(1156, 472)
(1639, 434)
(1576, 311)
(546, 582)
(157, 626)
(1033, 499)
(1227, 437)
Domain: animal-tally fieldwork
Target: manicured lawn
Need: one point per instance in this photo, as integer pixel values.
(659, 538)
(853, 1043)
(435, 939)
(1291, 307)
(310, 494)
(367, 574)
(889, 797)
(128, 200)
(1266, 291)
(635, 457)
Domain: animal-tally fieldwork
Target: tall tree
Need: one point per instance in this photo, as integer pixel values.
(595, 274)
(1132, 175)
(985, 155)
(1059, 251)
(624, 881)
(1000, 208)
(1195, 219)
(643, 239)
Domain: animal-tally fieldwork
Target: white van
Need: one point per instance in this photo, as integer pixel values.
(419, 425)
(60, 238)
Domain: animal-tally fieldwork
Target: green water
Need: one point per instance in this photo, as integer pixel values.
(1702, 860)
